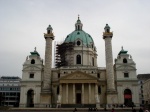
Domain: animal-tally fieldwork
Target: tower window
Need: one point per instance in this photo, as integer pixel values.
(124, 60)
(126, 75)
(32, 61)
(78, 59)
(31, 75)
(78, 43)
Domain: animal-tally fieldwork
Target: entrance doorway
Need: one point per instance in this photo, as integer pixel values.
(30, 98)
(78, 98)
(128, 98)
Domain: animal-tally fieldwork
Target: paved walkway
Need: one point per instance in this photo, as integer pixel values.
(65, 110)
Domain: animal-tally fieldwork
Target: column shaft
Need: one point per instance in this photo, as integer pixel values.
(60, 89)
(89, 93)
(47, 68)
(73, 93)
(67, 93)
(109, 65)
(82, 93)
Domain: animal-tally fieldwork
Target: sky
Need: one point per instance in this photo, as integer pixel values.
(23, 23)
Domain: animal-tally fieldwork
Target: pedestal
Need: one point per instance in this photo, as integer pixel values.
(112, 99)
(45, 99)
(97, 105)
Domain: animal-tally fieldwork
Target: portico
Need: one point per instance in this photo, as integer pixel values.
(78, 88)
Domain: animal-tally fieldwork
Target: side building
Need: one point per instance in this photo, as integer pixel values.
(141, 79)
(9, 91)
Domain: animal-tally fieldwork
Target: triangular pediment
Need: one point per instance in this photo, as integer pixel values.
(78, 75)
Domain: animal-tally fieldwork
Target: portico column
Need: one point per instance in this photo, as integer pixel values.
(96, 89)
(73, 93)
(82, 93)
(97, 100)
(60, 93)
(67, 93)
(89, 93)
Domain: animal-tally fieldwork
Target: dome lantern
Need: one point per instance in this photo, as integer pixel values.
(78, 25)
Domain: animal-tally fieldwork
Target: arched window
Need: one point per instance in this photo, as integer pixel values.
(78, 43)
(32, 61)
(78, 59)
(124, 60)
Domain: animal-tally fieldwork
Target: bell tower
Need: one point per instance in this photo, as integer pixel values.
(46, 85)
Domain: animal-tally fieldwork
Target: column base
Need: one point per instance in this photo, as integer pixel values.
(112, 91)
(22, 105)
(98, 105)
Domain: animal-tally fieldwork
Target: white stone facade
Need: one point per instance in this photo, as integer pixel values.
(31, 80)
(126, 78)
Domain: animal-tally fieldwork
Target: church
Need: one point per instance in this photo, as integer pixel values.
(76, 80)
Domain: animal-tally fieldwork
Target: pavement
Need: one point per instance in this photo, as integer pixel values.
(64, 110)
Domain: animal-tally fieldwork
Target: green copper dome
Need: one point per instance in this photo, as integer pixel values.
(79, 34)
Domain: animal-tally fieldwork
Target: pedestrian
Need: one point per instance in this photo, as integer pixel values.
(141, 110)
(133, 110)
(146, 110)
(113, 110)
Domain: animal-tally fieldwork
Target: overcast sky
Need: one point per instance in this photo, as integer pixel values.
(23, 22)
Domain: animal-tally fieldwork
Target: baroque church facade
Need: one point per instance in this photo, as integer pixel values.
(76, 80)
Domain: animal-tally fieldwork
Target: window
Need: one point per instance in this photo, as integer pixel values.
(32, 61)
(98, 75)
(78, 59)
(48, 31)
(58, 90)
(126, 75)
(78, 43)
(78, 27)
(124, 60)
(99, 89)
(78, 33)
(92, 61)
(31, 76)
(58, 75)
